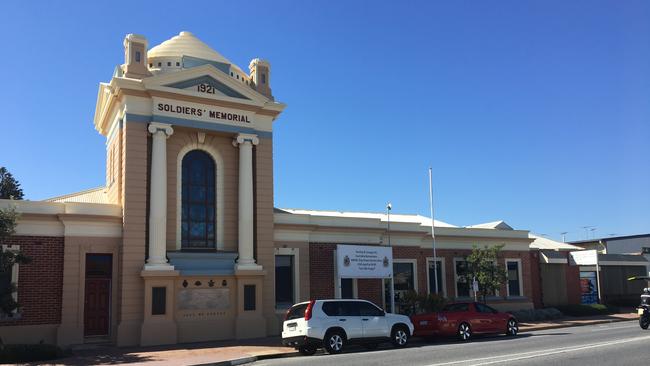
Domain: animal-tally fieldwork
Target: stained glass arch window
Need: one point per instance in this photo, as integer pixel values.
(198, 228)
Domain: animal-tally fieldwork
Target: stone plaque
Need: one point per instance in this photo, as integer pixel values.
(204, 299)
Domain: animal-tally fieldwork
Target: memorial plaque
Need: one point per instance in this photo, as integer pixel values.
(204, 299)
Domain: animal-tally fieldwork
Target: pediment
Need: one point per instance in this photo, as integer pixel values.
(216, 85)
(207, 84)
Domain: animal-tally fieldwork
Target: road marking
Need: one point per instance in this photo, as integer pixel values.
(539, 353)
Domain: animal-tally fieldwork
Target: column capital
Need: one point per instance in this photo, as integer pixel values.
(157, 126)
(245, 137)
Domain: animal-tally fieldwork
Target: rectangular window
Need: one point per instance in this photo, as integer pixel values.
(249, 297)
(5, 279)
(514, 285)
(433, 274)
(284, 281)
(403, 282)
(158, 300)
(137, 56)
(462, 285)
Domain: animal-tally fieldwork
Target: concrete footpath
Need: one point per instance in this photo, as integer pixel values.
(245, 351)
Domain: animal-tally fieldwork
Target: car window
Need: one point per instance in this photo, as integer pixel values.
(368, 309)
(350, 308)
(483, 308)
(491, 309)
(455, 308)
(297, 311)
(331, 308)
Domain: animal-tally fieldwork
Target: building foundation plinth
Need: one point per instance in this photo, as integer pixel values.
(159, 325)
(250, 321)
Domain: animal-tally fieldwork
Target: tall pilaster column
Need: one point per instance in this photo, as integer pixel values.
(245, 143)
(158, 198)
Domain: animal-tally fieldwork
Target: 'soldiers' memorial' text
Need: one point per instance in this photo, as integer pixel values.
(199, 112)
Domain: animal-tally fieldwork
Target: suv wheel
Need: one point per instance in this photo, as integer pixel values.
(307, 350)
(464, 332)
(334, 342)
(512, 328)
(399, 336)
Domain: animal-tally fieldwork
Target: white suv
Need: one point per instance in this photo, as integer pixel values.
(333, 324)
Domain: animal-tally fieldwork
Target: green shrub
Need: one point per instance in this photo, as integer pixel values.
(422, 303)
(586, 310)
(14, 353)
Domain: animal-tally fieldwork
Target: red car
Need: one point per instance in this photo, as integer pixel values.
(464, 319)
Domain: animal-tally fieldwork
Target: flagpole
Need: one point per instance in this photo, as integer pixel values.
(433, 235)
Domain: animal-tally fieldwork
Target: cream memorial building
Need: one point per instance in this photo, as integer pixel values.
(183, 242)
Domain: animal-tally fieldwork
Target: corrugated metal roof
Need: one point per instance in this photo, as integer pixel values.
(552, 254)
(497, 225)
(95, 195)
(397, 218)
(548, 244)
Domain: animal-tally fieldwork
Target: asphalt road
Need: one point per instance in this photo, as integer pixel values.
(619, 344)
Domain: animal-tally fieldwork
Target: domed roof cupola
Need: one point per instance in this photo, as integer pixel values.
(186, 44)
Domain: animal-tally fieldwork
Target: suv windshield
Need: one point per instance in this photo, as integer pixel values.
(297, 311)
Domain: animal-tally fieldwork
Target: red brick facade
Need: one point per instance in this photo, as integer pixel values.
(321, 281)
(321, 261)
(40, 282)
(573, 290)
(536, 282)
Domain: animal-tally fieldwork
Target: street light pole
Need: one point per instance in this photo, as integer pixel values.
(389, 207)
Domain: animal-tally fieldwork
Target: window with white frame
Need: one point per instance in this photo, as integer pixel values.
(515, 285)
(436, 272)
(286, 277)
(404, 281)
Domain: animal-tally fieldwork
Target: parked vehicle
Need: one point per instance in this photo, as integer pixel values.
(644, 307)
(464, 319)
(334, 324)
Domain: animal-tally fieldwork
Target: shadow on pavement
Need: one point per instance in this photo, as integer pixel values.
(421, 342)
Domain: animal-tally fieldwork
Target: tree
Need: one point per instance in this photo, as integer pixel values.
(8, 258)
(483, 265)
(9, 186)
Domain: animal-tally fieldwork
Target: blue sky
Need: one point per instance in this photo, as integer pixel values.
(534, 112)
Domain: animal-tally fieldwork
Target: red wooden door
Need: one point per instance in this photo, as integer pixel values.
(97, 306)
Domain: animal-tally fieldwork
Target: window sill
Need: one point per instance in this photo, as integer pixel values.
(516, 298)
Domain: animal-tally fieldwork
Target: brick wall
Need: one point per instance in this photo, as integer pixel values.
(40, 282)
(536, 280)
(573, 290)
(321, 261)
(321, 280)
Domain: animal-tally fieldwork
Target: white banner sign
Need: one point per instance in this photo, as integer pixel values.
(584, 258)
(361, 261)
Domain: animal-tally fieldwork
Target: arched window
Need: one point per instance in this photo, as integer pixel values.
(198, 201)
